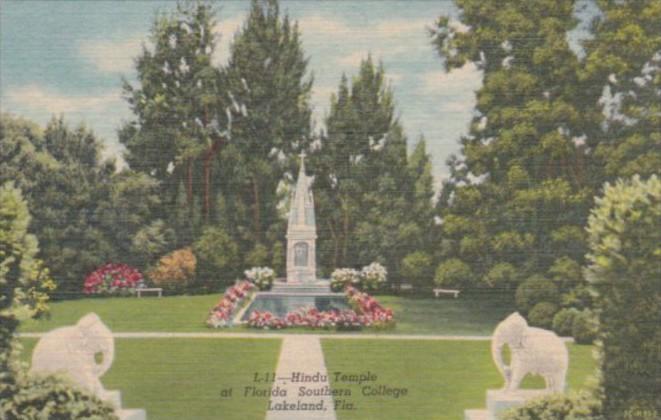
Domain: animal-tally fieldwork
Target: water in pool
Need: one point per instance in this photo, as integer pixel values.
(279, 304)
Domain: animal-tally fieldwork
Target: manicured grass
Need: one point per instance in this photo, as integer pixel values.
(130, 314)
(469, 315)
(183, 379)
(463, 316)
(443, 378)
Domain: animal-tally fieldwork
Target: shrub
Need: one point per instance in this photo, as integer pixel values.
(262, 277)
(217, 259)
(373, 276)
(174, 271)
(502, 276)
(585, 327)
(113, 279)
(541, 315)
(577, 406)
(453, 273)
(258, 256)
(563, 321)
(52, 398)
(343, 277)
(150, 242)
(625, 270)
(418, 268)
(534, 290)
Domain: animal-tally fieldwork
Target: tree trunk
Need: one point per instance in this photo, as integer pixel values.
(208, 156)
(345, 225)
(336, 244)
(189, 183)
(256, 214)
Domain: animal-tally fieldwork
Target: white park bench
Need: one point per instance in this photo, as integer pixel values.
(157, 290)
(439, 292)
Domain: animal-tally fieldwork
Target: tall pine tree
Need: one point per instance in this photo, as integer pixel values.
(373, 204)
(267, 75)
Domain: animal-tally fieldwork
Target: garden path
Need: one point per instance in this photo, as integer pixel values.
(301, 364)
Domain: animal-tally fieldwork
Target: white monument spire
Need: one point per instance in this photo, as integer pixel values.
(301, 231)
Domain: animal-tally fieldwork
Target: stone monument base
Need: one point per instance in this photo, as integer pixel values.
(499, 400)
(133, 414)
(115, 398)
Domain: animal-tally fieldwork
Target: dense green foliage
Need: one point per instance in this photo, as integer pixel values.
(625, 271)
(453, 273)
(54, 399)
(517, 197)
(418, 268)
(623, 66)
(61, 177)
(24, 284)
(550, 126)
(563, 321)
(217, 255)
(83, 212)
(575, 406)
(541, 315)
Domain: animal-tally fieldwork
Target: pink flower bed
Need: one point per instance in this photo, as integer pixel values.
(221, 314)
(113, 279)
(367, 312)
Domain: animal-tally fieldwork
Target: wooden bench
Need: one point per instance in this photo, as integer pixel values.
(439, 292)
(158, 290)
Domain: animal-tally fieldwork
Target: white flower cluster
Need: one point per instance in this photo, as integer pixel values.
(370, 277)
(373, 275)
(342, 277)
(262, 277)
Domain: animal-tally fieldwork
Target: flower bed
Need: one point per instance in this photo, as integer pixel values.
(113, 279)
(221, 314)
(366, 312)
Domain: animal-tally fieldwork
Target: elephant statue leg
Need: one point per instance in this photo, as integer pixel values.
(555, 382)
(517, 375)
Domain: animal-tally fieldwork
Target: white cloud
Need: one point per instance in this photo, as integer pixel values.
(111, 56)
(465, 78)
(320, 25)
(402, 26)
(37, 99)
(352, 59)
(224, 31)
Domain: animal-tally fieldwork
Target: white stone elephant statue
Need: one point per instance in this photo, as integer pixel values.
(71, 351)
(533, 350)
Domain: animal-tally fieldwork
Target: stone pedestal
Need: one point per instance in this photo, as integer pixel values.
(499, 400)
(133, 414)
(115, 398)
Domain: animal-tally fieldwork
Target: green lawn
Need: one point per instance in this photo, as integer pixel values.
(463, 316)
(443, 378)
(183, 378)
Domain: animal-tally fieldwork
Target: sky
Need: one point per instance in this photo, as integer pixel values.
(68, 58)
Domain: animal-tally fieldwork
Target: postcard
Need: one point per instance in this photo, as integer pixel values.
(288, 209)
